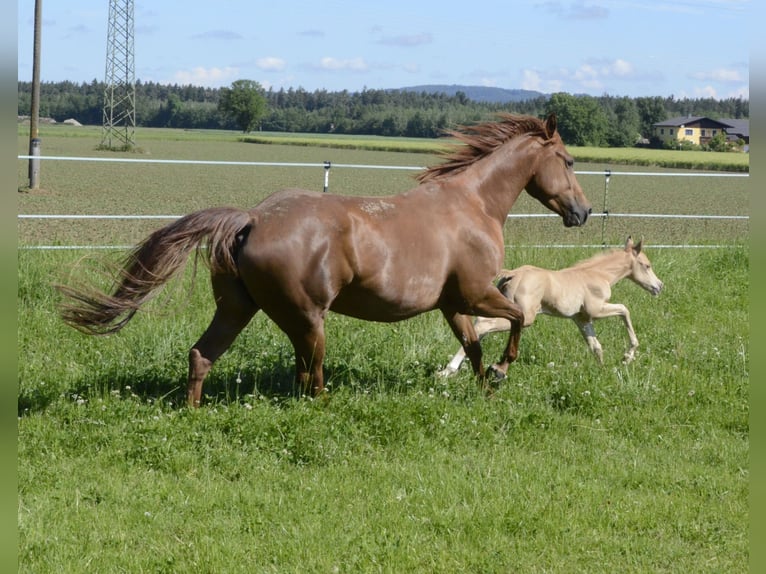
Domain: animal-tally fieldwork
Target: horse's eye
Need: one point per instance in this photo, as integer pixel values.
(569, 162)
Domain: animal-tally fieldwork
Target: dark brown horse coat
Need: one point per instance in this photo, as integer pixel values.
(299, 254)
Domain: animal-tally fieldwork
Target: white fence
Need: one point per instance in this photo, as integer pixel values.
(327, 166)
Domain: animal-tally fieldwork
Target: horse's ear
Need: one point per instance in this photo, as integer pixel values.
(629, 243)
(637, 246)
(550, 124)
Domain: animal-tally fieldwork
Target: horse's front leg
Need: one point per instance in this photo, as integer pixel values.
(482, 326)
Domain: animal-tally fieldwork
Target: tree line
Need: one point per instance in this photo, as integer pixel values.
(583, 120)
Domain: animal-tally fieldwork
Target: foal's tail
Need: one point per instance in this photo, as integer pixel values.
(153, 262)
(503, 278)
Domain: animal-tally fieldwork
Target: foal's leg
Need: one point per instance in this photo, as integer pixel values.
(234, 309)
(482, 326)
(613, 309)
(462, 327)
(589, 334)
(622, 310)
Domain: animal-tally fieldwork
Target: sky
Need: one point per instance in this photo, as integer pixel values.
(634, 48)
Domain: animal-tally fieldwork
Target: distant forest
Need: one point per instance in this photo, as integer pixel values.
(609, 120)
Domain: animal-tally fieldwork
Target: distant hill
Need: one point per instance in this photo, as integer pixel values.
(484, 94)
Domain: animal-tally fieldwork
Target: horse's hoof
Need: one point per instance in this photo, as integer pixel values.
(495, 374)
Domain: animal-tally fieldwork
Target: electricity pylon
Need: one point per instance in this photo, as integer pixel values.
(120, 92)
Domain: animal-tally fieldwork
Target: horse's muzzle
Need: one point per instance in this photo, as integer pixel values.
(576, 217)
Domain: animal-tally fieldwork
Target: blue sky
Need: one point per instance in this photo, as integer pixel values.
(686, 48)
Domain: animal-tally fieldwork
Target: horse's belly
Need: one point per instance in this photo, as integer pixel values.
(382, 307)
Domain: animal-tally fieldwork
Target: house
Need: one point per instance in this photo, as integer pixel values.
(700, 130)
(738, 130)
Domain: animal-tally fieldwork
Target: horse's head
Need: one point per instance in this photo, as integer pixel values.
(554, 183)
(641, 271)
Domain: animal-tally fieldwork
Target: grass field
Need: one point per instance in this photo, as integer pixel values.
(570, 467)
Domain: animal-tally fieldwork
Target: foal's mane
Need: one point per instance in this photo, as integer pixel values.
(479, 140)
(598, 259)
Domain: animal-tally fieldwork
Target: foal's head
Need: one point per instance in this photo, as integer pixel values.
(641, 270)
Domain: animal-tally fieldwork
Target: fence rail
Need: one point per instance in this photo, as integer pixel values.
(326, 166)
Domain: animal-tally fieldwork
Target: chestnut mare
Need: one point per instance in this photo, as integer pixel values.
(580, 293)
(299, 254)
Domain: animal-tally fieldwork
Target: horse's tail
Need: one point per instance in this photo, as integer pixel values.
(155, 261)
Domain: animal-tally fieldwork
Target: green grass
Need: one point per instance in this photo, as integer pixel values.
(697, 160)
(147, 137)
(570, 467)
(129, 188)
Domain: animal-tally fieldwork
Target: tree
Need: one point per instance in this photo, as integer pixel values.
(244, 102)
(650, 111)
(624, 130)
(581, 121)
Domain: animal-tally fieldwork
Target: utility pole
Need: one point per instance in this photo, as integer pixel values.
(120, 92)
(34, 115)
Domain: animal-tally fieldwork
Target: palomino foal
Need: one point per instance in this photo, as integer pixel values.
(580, 293)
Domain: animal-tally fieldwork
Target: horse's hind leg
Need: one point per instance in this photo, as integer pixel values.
(234, 309)
(309, 345)
(305, 329)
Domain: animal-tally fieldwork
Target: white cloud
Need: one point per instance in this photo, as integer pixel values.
(334, 64)
(710, 92)
(592, 76)
(622, 68)
(530, 80)
(534, 80)
(706, 92)
(725, 75)
(270, 64)
(210, 77)
(407, 41)
(218, 35)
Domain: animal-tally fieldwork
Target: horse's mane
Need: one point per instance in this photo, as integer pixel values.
(479, 140)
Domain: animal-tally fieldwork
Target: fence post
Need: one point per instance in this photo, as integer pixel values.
(327, 166)
(34, 163)
(605, 211)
